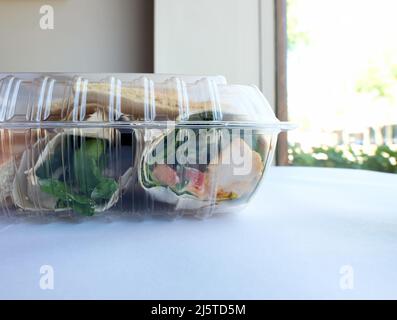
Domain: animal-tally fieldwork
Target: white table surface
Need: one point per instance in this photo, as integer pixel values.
(303, 225)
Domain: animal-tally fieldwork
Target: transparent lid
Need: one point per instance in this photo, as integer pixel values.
(138, 99)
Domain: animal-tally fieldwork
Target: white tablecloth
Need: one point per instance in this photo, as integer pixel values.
(302, 227)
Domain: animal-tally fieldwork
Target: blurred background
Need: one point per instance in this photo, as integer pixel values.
(342, 83)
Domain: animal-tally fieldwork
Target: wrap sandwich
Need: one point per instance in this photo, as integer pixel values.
(78, 168)
(7, 173)
(195, 184)
(12, 145)
(74, 169)
(197, 168)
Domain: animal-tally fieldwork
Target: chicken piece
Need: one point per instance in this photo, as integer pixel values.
(232, 180)
(165, 175)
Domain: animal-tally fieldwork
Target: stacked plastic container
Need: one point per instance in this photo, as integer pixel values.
(131, 144)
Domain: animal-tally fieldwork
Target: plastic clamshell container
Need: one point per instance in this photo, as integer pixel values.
(131, 144)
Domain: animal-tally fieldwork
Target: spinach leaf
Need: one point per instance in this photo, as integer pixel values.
(105, 189)
(87, 165)
(86, 186)
(66, 197)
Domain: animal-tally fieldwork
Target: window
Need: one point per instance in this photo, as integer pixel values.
(342, 83)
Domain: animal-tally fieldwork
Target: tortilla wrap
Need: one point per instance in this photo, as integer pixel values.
(222, 180)
(7, 173)
(27, 192)
(234, 103)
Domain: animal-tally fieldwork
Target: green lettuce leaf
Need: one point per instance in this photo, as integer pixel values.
(84, 186)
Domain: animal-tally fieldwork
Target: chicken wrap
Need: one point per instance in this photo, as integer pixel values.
(12, 145)
(204, 167)
(7, 172)
(211, 177)
(72, 170)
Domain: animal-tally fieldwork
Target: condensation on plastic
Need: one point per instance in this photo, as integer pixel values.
(46, 120)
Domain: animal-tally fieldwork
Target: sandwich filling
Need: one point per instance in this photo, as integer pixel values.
(188, 164)
(74, 174)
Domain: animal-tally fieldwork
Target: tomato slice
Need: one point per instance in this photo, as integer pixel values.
(195, 177)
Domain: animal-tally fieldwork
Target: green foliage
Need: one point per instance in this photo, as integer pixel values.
(296, 36)
(377, 83)
(380, 79)
(384, 158)
(380, 161)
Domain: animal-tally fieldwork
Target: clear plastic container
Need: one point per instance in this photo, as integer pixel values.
(131, 144)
